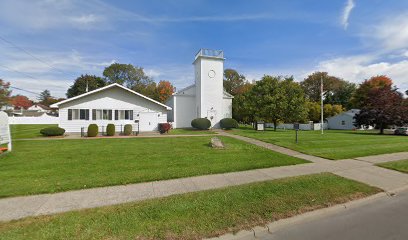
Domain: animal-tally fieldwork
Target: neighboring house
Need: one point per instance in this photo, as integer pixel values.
(343, 121)
(39, 108)
(111, 104)
(206, 98)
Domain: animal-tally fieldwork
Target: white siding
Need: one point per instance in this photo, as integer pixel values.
(336, 122)
(227, 108)
(185, 111)
(115, 99)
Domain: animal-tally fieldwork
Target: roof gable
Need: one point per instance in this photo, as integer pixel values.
(56, 105)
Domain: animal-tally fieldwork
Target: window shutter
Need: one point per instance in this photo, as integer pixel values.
(93, 114)
(86, 114)
(116, 114)
(131, 114)
(110, 114)
(69, 114)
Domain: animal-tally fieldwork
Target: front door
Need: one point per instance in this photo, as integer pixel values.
(148, 121)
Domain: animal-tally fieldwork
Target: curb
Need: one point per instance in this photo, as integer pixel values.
(271, 227)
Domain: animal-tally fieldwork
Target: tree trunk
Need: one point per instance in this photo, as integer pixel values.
(382, 128)
(274, 125)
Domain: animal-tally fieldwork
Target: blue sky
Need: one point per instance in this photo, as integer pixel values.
(352, 39)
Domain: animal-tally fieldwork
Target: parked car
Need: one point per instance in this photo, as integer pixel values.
(401, 131)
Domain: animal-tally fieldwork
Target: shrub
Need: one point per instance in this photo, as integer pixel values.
(164, 127)
(201, 123)
(127, 130)
(228, 123)
(52, 131)
(110, 129)
(92, 130)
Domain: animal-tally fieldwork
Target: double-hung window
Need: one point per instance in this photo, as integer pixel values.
(101, 114)
(78, 114)
(123, 114)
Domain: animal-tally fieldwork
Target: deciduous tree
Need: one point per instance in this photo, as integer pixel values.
(165, 90)
(21, 102)
(4, 93)
(362, 93)
(128, 75)
(81, 83)
(233, 81)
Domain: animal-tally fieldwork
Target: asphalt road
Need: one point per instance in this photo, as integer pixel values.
(382, 219)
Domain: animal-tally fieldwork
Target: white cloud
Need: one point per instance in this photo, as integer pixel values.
(391, 34)
(346, 13)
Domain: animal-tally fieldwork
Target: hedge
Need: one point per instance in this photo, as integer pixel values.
(92, 130)
(127, 130)
(52, 131)
(110, 129)
(228, 123)
(201, 123)
(164, 127)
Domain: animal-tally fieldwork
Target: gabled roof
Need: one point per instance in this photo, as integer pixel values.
(41, 106)
(56, 105)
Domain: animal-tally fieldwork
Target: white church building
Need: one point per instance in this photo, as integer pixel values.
(206, 98)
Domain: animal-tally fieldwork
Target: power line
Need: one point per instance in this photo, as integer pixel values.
(26, 90)
(30, 54)
(13, 70)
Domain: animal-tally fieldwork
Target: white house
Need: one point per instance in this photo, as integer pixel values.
(343, 121)
(111, 104)
(39, 108)
(206, 98)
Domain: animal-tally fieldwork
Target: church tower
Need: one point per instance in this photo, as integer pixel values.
(209, 75)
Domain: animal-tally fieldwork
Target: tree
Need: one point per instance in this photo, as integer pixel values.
(336, 91)
(383, 106)
(329, 110)
(46, 99)
(277, 99)
(165, 90)
(21, 102)
(80, 84)
(240, 104)
(233, 81)
(127, 75)
(361, 94)
(4, 93)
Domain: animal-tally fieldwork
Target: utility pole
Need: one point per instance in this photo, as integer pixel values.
(86, 90)
(321, 104)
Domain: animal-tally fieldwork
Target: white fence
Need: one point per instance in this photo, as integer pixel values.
(306, 126)
(44, 119)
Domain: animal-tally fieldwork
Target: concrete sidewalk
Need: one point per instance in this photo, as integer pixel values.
(361, 170)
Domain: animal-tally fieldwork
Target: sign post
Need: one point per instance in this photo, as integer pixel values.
(296, 126)
(5, 136)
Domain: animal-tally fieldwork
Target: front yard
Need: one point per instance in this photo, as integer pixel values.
(22, 131)
(333, 144)
(194, 215)
(401, 165)
(46, 166)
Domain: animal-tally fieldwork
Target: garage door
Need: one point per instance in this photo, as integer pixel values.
(148, 121)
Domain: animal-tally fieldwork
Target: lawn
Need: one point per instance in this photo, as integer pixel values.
(194, 215)
(333, 144)
(401, 165)
(190, 131)
(21, 131)
(59, 165)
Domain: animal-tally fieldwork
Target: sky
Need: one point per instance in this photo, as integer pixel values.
(47, 44)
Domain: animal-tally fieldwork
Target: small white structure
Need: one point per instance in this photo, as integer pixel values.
(343, 121)
(5, 136)
(39, 108)
(114, 104)
(206, 98)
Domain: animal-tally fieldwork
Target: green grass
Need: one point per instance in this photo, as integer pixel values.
(401, 165)
(21, 131)
(189, 131)
(333, 144)
(194, 215)
(59, 165)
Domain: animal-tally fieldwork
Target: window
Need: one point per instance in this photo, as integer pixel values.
(78, 114)
(123, 114)
(343, 122)
(101, 114)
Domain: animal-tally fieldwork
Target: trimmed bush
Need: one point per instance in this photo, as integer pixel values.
(228, 123)
(127, 131)
(52, 131)
(92, 130)
(110, 129)
(201, 123)
(164, 127)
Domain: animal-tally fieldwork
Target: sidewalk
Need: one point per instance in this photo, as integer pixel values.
(361, 170)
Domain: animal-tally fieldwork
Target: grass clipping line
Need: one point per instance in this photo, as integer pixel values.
(194, 215)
